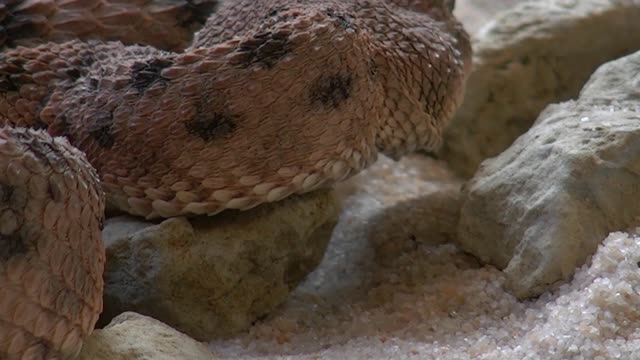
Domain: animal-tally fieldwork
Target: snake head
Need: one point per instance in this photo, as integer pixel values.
(424, 60)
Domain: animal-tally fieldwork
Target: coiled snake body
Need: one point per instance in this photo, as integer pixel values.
(272, 98)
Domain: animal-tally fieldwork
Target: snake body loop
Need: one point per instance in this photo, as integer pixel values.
(270, 98)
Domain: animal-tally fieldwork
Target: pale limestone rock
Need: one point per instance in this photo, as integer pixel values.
(211, 277)
(132, 336)
(533, 54)
(476, 13)
(543, 206)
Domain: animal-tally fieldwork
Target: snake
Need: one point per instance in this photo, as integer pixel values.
(165, 108)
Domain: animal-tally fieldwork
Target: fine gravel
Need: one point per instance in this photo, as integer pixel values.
(393, 286)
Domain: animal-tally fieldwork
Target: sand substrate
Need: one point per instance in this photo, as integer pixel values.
(393, 286)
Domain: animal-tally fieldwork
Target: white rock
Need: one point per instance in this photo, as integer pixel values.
(533, 54)
(132, 336)
(215, 276)
(476, 13)
(542, 207)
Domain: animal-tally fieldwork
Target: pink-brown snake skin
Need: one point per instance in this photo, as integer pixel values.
(118, 102)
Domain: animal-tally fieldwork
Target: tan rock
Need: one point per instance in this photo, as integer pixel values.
(212, 277)
(476, 13)
(533, 54)
(541, 208)
(132, 336)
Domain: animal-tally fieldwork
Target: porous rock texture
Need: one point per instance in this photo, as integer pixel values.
(215, 276)
(542, 207)
(132, 336)
(530, 55)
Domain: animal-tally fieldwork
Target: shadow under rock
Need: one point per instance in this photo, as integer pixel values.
(369, 236)
(427, 220)
(388, 271)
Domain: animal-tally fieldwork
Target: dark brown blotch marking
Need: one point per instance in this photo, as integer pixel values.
(73, 74)
(372, 69)
(39, 124)
(12, 245)
(210, 127)
(8, 84)
(87, 58)
(103, 136)
(61, 127)
(102, 129)
(12, 74)
(199, 12)
(143, 74)
(344, 20)
(265, 49)
(93, 83)
(3, 35)
(22, 27)
(276, 11)
(80, 64)
(6, 192)
(331, 90)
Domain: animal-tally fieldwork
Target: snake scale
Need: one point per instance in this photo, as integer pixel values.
(118, 104)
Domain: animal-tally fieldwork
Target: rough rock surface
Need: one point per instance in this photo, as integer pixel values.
(474, 14)
(429, 300)
(215, 276)
(542, 207)
(533, 54)
(132, 336)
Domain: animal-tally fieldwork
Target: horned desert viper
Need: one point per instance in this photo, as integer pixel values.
(271, 98)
